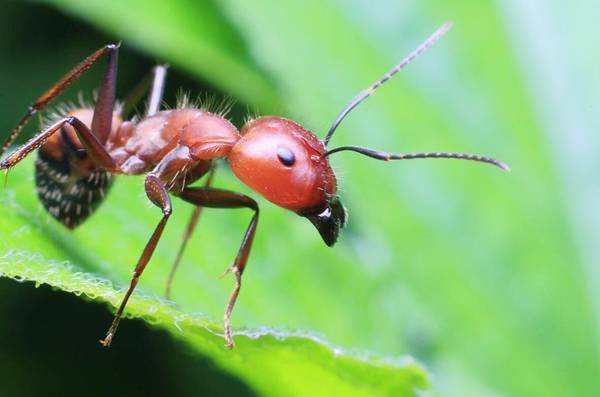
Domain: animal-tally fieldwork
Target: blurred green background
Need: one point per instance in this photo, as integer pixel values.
(487, 279)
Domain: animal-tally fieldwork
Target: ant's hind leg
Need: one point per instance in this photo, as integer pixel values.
(156, 93)
(155, 81)
(157, 193)
(217, 198)
(65, 81)
(93, 147)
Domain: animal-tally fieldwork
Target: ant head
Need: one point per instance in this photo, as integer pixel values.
(289, 165)
(285, 163)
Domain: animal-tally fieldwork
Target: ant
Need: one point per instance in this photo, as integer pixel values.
(276, 157)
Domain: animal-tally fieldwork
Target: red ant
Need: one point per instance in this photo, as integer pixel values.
(278, 158)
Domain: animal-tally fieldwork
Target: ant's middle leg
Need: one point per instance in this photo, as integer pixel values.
(157, 193)
(94, 148)
(186, 236)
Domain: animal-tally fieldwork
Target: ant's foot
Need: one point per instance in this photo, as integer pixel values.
(107, 341)
(230, 269)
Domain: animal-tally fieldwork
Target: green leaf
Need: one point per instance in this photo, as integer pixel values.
(489, 278)
(41, 252)
(482, 267)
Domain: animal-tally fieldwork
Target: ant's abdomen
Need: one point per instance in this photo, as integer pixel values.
(68, 183)
(70, 198)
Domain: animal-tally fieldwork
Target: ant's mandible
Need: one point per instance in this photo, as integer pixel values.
(276, 157)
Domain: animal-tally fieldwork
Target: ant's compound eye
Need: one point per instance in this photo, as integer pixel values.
(286, 156)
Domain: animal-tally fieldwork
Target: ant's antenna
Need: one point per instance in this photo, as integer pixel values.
(364, 94)
(408, 156)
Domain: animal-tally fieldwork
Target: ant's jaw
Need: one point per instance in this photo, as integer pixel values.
(328, 220)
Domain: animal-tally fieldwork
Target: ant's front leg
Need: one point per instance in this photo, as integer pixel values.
(217, 198)
(93, 147)
(157, 193)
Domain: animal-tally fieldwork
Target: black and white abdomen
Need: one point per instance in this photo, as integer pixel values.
(68, 197)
